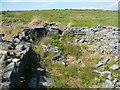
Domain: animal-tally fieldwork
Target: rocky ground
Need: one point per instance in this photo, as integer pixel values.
(14, 54)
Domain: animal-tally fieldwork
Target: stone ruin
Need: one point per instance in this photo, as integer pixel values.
(14, 54)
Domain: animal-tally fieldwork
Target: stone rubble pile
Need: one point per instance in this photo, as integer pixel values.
(14, 58)
(14, 54)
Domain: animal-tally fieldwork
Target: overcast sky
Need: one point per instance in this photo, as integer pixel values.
(58, 4)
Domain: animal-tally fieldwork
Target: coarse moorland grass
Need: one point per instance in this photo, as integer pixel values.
(63, 17)
(79, 72)
(13, 21)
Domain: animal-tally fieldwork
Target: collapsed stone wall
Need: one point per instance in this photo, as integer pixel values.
(14, 54)
(14, 58)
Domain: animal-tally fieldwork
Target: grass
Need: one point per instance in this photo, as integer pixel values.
(63, 17)
(79, 70)
(23, 19)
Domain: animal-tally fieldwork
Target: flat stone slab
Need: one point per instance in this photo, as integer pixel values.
(115, 67)
(44, 81)
(108, 84)
(105, 60)
(107, 74)
(15, 60)
(7, 75)
(10, 67)
(19, 47)
(6, 44)
(99, 64)
(3, 52)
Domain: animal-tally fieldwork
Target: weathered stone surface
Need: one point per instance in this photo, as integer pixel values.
(7, 75)
(6, 44)
(96, 71)
(19, 47)
(17, 40)
(99, 64)
(82, 41)
(105, 60)
(108, 84)
(57, 56)
(5, 85)
(15, 60)
(40, 31)
(55, 27)
(118, 84)
(44, 81)
(115, 67)
(115, 81)
(107, 74)
(10, 67)
(3, 52)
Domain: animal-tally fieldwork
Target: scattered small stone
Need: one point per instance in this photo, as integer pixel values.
(16, 60)
(3, 52)
(115, 67)
(115, 81)
(19, 47)
(107, 74)
(108, 84)
(99, 64)
(44, 81)
(105, 60)
(57, 56)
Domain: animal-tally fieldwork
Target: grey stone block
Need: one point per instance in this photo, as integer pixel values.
(107, 74)
(44, 81)
(19, 47)
(108, 84)
(99, 64)
(115, 67)
(57, 56)
(10, 67)
(105, 60)
(7, 75)
(3, 52)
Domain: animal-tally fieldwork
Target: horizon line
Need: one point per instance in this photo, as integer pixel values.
(65, 9)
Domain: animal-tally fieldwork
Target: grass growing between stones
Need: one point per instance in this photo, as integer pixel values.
(115, 73)
(79, 72)
(76, 75)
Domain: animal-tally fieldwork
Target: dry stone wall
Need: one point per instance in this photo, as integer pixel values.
(14, 54)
